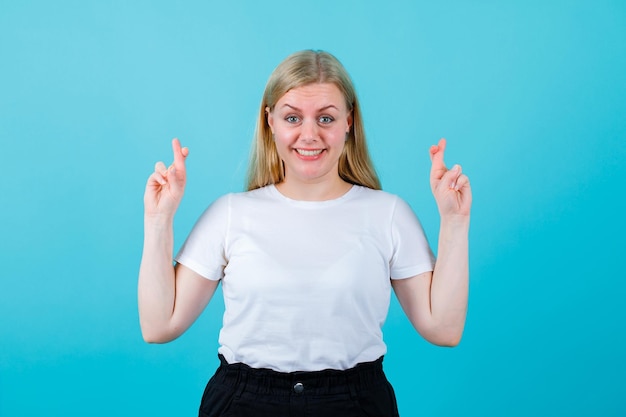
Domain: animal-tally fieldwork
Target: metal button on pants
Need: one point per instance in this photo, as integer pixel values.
(298, 388)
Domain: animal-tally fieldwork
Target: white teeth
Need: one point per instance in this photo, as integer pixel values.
(309, 153)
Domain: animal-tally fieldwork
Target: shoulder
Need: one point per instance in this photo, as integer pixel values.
(253, 196)
(371, 196)
(222, 209)
(242, 196)
(391, 205)
(245, 201)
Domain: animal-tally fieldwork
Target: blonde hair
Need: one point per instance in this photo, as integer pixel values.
(299, 69)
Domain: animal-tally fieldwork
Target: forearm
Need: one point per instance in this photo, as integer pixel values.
(157, 288)
(450, 281)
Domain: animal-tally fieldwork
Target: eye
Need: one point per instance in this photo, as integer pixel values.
(292, 119)
(326, 119)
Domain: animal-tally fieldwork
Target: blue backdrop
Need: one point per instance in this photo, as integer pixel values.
(531, 96)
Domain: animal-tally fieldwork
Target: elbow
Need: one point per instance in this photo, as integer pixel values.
(448, 342)
(154, 339)
(155, 336)
(445, 338)
(443, 332)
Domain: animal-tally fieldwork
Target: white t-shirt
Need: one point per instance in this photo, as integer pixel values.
(306, 284)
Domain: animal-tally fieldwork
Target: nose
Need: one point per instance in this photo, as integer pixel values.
(309, 131)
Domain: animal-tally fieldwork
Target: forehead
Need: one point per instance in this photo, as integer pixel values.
(318, 94)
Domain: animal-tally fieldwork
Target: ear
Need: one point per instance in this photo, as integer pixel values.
(350, 121)
(270, 118)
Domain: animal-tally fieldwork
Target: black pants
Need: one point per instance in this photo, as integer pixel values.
(238, 390)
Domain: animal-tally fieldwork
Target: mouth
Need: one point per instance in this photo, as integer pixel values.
(309, 152)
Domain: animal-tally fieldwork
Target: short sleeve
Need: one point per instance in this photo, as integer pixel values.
(204, 250)
(411, 252)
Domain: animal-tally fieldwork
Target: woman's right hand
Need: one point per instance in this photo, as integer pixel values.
(166, 186)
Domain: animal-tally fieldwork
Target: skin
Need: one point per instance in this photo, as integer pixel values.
(313, 118)
(436, 302)
(170, 299)
(309, 118)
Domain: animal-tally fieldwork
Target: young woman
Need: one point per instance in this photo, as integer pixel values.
(307, 258)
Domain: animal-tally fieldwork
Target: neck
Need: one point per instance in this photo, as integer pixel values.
(314, 190)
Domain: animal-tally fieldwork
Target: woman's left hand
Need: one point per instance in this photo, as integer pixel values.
(450, 187)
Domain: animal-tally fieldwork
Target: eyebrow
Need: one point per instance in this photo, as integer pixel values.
(321, 109)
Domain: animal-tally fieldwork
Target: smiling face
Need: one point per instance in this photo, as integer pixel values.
(310, 125)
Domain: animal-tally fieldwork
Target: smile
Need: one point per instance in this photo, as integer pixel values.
(304, 152)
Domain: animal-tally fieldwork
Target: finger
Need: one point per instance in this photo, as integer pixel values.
(157, 177)
(451, 176)
(160, 168)
(438, 167)
(462, 182)
(441, 146)
(177, 179)
(179, 155)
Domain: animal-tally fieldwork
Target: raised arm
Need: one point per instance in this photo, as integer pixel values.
(170, 299)
(436, 302)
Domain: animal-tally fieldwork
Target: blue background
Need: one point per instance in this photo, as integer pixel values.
(531, 96)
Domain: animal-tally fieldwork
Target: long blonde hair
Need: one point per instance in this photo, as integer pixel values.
(299, 69)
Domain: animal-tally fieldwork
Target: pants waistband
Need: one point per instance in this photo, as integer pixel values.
(330, 381)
